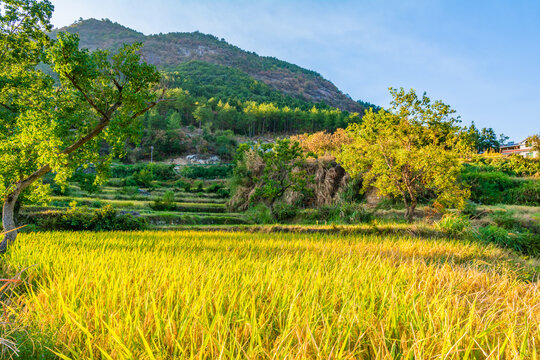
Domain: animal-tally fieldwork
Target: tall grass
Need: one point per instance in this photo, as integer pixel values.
(166, 295)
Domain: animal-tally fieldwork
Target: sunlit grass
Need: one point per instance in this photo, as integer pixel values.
(165, 295)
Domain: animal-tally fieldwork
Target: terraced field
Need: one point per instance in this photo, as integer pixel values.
(194, 207)
(232, 295)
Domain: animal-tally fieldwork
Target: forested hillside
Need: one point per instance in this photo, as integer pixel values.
(169, 51)
(218, 92)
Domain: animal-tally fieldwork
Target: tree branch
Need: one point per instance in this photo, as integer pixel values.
(88, 99)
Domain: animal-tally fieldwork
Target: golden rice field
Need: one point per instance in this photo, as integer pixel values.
(224, 295)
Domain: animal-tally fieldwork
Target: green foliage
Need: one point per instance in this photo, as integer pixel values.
(282, 211)
(454, 225)
(58, 120)
(260, 214)
(343, 212)
(86, 181)
(526, 194)
(489, 186)
(283, 162)
(206, 171)
(486, 187)
(145, 177)
(505, 219)
(524, 242)
(159, 171)
(408, 151)
(76, 219)
(514, 165)
(166, 203)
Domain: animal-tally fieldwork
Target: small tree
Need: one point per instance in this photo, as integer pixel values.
(534, 142)
(59, 123)
(407, 150)
(271, 170)
(283, 170)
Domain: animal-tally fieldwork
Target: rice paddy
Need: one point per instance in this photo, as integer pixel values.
(238, 295)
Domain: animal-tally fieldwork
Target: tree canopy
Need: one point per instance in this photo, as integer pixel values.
(59, 122)
(408, 150)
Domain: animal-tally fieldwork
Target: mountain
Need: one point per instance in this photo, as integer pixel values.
(186, 54)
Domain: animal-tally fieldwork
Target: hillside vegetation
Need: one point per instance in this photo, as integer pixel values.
(167, 51)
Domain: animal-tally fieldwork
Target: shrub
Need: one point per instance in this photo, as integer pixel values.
(115, 182)
(197, 186)
(505, 219)
(206, 171)
(345, 212)
(180, 184)
(129, 190)
(145, 178)
(131, 181)
(355, 213)
(282, 211)
(527, 194)
(454, 225)
(524, 242)
(105, 219)
(159, 171)
(86, 181)
(214, 188)
(224, 193)
(487, 187)
(470, 209)
(166, 203)
(259, 214)
(187, 187)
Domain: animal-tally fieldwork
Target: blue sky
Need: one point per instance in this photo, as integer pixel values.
(481, 57)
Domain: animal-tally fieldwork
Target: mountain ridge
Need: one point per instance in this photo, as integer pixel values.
(168, 51)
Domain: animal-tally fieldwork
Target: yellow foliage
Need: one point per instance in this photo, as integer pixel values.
(189, 294)
(322, 143)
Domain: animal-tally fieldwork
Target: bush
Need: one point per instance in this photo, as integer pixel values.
(131, 181)
(345, 212)
(214, 188)
(282, 211)
(505, 219)
(76, 219)
(86, 181)
(145, 178)
(159, 171)
(487, 187)
(224, 193)
(454, 225)
(206, 171)
(129, 190)
(114, 182)
(197, 186)
(527, 194)
(166, 203)
(355, 213)
(524, 242)
(259, 214)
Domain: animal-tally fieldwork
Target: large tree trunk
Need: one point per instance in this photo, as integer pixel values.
(8, 220)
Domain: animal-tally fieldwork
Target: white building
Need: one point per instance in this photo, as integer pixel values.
(520, 148)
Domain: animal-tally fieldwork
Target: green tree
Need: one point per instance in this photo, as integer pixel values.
(57, 123)
(534, 141)
(203, 114)
(283, 170)
(174, 120)
(408, 150)
(271, 169)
